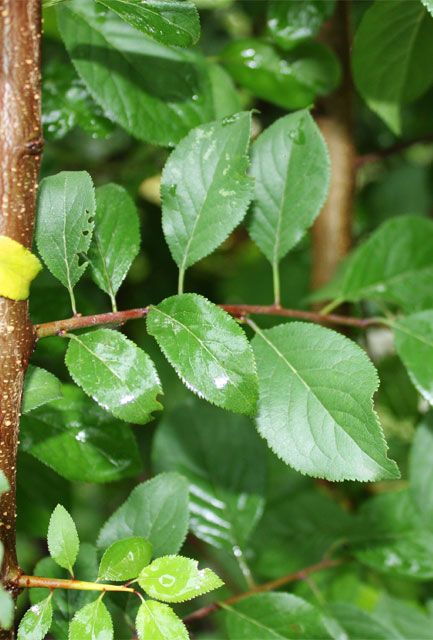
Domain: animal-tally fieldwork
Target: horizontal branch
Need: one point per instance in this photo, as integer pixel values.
(60, 327)
(327, 563)
(30, 582)
(399, 147)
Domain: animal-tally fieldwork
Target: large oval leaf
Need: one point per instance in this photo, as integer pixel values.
(116, 373)
(92, 622)
(124, 559)
(315, 403)
(157, 621)
(208, 350)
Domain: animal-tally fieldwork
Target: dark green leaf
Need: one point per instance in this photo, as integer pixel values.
(274, 616)
(114, 60)
(36, 621)
(291, 168)
(204, 189)
(63, 541)
(404, 618)
(225, 97)
(315, 403)
(292, 80)
(92, 622)
(124, 559)
(157, 510)
(157, 621)
(80, 441)
(292, 22)
(115, 373)
(40, 387)
(66, 207)
(116, 238)
(208, 350)
(414, 344)
(360, 625)
(226, 490)
(171, 22)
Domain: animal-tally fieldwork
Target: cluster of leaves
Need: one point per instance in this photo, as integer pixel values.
(169, 578)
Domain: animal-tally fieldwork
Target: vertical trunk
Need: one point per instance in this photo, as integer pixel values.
(332, 230)
(20, 151)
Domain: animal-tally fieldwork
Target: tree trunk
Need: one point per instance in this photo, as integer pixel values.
(20, 152)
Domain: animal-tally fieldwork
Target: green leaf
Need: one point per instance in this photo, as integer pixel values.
(291, 168)
(116, 238)
(36, 622)
(115, 373)
(92, 622)
(7, 608)
(4, 484)
(156, 621)
(40, 387)
(421, 469)
(63, 542)
(404, 618)
(291, 22)
(272, 616)
(315, 403)
(204, 188)
(226, 490)
(291, 80)
(208, 350)
(391, 46)
(414, 345)
(80, 441)
(225, 97)
(114, 59)
(124, 559)
(66, 207)
(175, 23)
(360, 625)
(177, 579)
(157, 509)
(396, 540)
(395, 265)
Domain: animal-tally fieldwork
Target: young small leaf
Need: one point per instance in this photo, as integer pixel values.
(63, 542)
(315, 403)
(205, 190)
(40, 387)
(124, 559)
(116, 238)
(269, 616)
(92, 622)
(175, 23)
(157, 509)
(18, 267)
(66, 207)
(208, 350)
(291, 168)
(177, 579)
(36, 622)
(115, 373)
(157, 621)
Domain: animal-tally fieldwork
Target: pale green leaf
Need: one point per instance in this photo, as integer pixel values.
(157, 510)
(7, 608)
(66, 208)
(315, 403)
(4, 484)
(116, 238)
(36, 622)
(92, 622)
(157, 621)
(114, 59)
(406, 619)
(169, 22)
(177, 579)
(291, 168)
(124, 559)
(115, 373)
(274, 616)
(63, 542)
(360, 625)
(421, 469)
(208, 350)
(205, 190)
(395, 265)
(79, 440)
(414, 344)
(226, 490)
(40, 387)
(391, 46)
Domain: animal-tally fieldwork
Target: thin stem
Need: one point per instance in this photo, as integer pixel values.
(326, 563)
(330, 306)
(180, 281)
(400, 147)
(60, 327)
(113, 302)
(73, 302)
(276, 281)
(31, 582)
